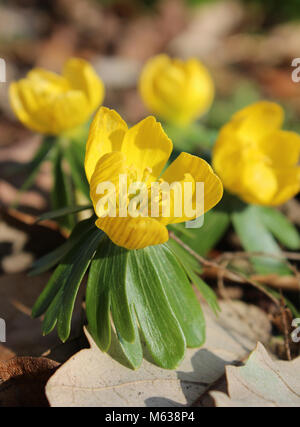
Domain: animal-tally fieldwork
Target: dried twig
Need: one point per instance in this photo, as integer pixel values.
(221, 286)
(294, 256)
(285, 328)
(282, 256)
(240, 277)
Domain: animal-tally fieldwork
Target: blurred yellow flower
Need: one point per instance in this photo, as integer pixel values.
(51, 104)
(255, 158)
(176, 91)
(140, 153)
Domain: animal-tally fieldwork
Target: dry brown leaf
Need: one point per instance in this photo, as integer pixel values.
(23, 379)
(94, 378)
(261, 382)
(23, 334)
(22, 240)
(18, 293)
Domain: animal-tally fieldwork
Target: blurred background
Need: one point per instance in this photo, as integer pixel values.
(248, 46)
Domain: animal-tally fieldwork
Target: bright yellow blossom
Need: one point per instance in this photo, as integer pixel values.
(256, 159)
(141, 153)
(51, 104)
(176, 91)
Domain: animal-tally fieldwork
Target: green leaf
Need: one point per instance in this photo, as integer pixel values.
(61, 275)
(160, 328)
(98, 300)
(139, 281)
(70, 289)
(205, 238)
(51, 315)
(280, 227)
(59, 213)
(62, 192)
(106, 289)
(121, 313)
(53, 258)
(206, 291)
(216, 223)
(133, 351)
(181, 230)
(35, 164)
(56, 281)
(75, 157)
(185, 258)
(59, 295)
(180, 295)
(255, 237)
(192, 268)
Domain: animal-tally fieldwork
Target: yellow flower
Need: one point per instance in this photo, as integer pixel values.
(51, 104)
(141, 153)
(176, 91)
(255, 158)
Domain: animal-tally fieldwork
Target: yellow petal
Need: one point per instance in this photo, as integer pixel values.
(45, 103)
(282, 148)
(81, 76)
(227, 161)
(288, 184)
(107, 169)
(51, 104)
(67, 111)
(134, 233)
(260, 182)
(106, 134)
(175, 90)
(47, 82)
(149, 90)
(256, 121)
(199, 91)
(25, 105)
(147, 146)
(187, 167)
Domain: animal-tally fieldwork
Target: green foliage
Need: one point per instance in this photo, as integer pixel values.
(67, 156)
(205, 238)
(62, 191)
(145, 293)
(106, 290)
(256, 237)
(59, 213)
(74, 153)
(281, 228)
(58, 297)
(180, 295)
(53, 258)
(34, 166)
(193, 269)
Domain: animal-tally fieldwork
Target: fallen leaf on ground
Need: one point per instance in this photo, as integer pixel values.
(18, 293)
(261, 382)
(23, 379)
(94, 378)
